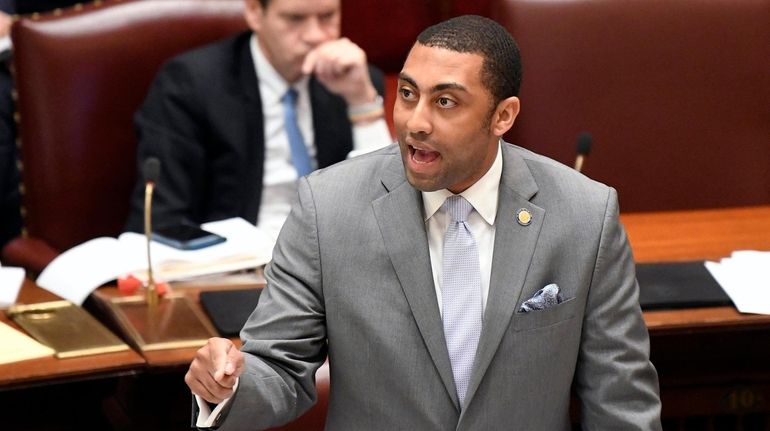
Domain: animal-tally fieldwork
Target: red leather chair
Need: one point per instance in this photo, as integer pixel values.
(675, 93)
(80, 75)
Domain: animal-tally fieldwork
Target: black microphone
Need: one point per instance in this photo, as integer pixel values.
(583, 149)
(151, 170)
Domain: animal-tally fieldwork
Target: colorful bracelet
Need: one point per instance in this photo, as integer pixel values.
(367, 112)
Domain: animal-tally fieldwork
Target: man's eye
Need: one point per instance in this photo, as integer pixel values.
(295, 19)
(406, 93)
(328, 16)
(446, 102)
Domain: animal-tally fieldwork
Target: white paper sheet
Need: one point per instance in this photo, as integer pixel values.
(11, 280)
(74, 274)
(745, 277)
(17, 346)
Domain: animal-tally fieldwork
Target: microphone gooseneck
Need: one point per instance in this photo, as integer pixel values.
(151, 173)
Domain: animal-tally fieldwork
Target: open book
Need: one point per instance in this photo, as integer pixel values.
(74, 274)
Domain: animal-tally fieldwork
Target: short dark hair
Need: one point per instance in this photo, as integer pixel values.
(501, 68)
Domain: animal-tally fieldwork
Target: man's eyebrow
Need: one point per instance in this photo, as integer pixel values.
(437, 88)
(449, 86)
(404, 77)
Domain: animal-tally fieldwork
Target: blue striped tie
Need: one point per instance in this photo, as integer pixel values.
(299, 155)
(461, 293)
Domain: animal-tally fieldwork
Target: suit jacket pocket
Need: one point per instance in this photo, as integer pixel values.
(542, 318)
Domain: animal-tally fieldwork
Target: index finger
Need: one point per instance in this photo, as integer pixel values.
(310, 60)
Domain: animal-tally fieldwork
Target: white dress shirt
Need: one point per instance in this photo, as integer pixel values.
(279, 182)
(483, 195)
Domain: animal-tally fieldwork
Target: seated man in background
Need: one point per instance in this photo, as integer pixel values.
(235, 123)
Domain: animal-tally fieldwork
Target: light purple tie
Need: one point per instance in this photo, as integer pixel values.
(461, 293)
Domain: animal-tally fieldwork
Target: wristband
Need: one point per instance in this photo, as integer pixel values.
(366, 112)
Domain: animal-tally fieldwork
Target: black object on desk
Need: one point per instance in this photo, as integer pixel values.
(229, 309)
(678, 285)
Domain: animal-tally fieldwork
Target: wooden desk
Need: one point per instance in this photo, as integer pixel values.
(713, 363)
(63, 394)
(123, 390)
(698, 235)
(710, 360)
(179, 359)
(51, 370)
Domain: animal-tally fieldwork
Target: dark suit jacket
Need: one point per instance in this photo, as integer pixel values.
(203, 119)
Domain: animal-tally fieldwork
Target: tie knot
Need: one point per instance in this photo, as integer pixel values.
(290, 97)
(458, 208)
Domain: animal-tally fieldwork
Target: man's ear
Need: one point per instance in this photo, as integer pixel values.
(253, 11)
(504, 116)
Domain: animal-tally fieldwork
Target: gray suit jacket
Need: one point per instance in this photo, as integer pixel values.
(351, 277)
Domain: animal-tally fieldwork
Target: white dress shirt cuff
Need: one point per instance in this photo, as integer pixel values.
(207, 417)
(369, 137)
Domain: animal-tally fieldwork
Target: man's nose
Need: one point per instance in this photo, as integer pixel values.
(419, 121)
(314, 32)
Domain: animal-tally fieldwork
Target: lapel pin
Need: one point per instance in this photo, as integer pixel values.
(524, 217)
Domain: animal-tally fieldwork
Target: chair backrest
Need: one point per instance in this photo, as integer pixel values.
(80, 76)
(675, 93)
(386, 29)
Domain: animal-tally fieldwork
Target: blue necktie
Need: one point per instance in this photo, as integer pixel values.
(461, 293)
(299, 155)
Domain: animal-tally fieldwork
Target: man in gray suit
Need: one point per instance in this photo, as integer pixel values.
(360, 273)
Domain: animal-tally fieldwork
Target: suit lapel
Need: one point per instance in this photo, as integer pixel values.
(514, 248)
(246, 91)
(333, 133)
(399, 215)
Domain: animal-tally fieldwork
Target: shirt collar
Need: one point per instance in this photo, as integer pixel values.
(271, 84)
(482, 194)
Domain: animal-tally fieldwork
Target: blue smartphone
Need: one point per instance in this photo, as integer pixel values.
(186, 237)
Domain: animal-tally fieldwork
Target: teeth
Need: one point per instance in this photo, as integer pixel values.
(424, 156)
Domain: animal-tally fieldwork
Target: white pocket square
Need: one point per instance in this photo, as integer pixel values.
(542, 299)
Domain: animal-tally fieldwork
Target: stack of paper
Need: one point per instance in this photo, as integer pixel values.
(745, 277)
(74, 274)
(16, 346)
